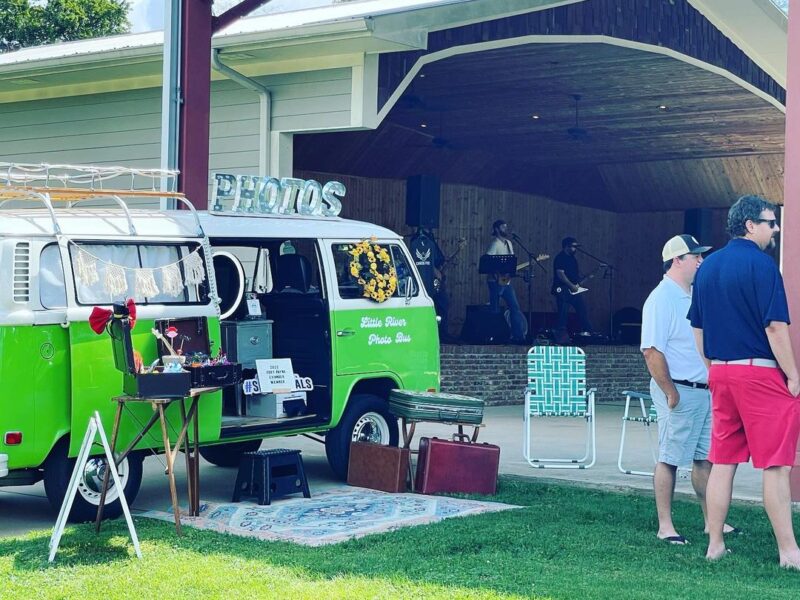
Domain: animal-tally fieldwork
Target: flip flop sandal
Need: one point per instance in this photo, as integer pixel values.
(734, 531)
(675, 540)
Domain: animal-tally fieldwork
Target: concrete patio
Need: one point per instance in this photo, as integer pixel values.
(23, 509)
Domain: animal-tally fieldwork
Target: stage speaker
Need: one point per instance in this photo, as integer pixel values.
(422, 201)
(697, 223)
(628, 325)
(482, 326)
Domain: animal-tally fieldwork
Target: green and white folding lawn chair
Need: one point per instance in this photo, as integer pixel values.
(557, 388)
(647, 418)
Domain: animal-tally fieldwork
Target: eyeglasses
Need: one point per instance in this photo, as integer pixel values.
(771, 222)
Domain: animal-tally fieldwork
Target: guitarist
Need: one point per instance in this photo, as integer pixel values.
(500, 283)
(566, 286)
(429, 260)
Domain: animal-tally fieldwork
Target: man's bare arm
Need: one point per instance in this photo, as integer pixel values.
(698, 341)
(659, 371)
(781, 345)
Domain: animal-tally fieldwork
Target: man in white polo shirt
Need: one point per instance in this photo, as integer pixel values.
(679, 384)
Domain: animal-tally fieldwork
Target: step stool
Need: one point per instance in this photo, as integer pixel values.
(269, 474)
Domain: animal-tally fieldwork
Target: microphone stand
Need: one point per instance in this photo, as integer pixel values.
(531, 262)
(608, 274)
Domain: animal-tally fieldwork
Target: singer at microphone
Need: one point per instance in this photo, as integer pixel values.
(500, 283)
(567, 288)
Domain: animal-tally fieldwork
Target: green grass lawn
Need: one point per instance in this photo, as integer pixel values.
(567, 542)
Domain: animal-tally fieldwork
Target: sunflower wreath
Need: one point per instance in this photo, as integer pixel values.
(371, 266)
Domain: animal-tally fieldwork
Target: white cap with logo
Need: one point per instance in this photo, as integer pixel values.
(680, 245)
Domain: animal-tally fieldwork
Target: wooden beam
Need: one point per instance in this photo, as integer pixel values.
(196, 106)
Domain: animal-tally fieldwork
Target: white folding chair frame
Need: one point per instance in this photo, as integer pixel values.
(645, 420)
(563, 463)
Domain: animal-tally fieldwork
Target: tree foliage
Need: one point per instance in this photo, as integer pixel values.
(31, 23)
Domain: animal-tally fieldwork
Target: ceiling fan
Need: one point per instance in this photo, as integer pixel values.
(433, 140)
(576, 132)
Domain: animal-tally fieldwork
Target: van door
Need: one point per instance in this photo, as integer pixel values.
(397, 337)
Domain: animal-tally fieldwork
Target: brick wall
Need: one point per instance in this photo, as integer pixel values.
(498, 373)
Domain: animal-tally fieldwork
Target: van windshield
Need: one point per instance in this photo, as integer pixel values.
(148, 273)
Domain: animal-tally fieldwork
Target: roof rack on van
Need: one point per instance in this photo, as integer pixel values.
(72, 184)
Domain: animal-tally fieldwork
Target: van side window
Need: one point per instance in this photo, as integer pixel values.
(349, 287)
(52, 289)
(123, 260)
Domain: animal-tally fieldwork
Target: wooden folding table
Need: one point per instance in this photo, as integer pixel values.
(191, 451)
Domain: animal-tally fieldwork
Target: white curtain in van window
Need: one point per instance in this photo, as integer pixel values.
(110, 259)
(155, 257)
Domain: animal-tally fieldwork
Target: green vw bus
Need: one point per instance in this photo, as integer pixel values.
(266, 285)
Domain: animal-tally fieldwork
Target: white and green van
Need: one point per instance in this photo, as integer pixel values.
(278, 286)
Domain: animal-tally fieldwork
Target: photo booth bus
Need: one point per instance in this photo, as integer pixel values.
(276, 279)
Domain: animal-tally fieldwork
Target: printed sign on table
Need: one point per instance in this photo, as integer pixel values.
(275, 375)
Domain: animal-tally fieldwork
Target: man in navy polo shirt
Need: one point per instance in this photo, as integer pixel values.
(740, 319)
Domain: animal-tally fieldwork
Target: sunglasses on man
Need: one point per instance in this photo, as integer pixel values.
(771, 222)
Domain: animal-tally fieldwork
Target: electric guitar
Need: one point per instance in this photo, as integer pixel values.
(439, 278)
(563, 290)
(505, 278)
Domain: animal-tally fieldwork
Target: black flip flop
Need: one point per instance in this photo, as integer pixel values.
(675, 540)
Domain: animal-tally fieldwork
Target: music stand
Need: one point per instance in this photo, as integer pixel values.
(491, 264)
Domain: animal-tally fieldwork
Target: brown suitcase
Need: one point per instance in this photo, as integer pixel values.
(457, 467)
(378, 467)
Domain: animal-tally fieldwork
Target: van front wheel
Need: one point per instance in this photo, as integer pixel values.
(366, 419)
(58, 471)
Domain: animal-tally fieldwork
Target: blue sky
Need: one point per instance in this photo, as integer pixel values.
(146, 15)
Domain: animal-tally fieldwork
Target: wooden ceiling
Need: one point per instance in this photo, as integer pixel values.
(469, 119)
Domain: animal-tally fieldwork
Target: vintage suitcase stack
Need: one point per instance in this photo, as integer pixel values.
(436, 407)
(378, 467)
(456, 467)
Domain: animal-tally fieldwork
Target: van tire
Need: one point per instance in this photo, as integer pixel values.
(228, 455)
(366, 418)
(58, 470)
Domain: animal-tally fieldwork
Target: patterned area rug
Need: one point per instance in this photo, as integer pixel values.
(330, 517)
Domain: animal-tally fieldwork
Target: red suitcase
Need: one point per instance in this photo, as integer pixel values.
(456, 467)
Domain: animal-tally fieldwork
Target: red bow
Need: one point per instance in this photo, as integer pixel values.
(101, 316)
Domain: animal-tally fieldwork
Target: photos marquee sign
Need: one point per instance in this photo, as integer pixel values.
(269, 195)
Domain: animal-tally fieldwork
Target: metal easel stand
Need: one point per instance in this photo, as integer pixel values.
(94, 427)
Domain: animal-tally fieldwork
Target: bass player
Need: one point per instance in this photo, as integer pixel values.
(567, 288)
(430, 260)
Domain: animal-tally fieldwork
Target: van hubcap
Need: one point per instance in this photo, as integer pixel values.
(371, 427)
(91, 481)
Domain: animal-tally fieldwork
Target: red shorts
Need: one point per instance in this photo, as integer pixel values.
(753, 413)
